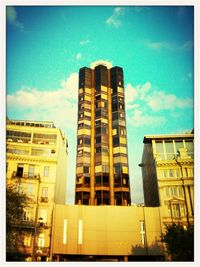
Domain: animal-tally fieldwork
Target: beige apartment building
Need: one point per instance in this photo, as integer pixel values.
(36, 160)
(168, 176)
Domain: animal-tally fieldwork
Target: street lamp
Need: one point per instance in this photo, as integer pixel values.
(183, 186)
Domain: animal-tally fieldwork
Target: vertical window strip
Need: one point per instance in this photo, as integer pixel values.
(142, 232)
(65, 232)
(80, 232)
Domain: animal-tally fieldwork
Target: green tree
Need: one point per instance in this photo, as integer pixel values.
(179, 242)
(15, 203)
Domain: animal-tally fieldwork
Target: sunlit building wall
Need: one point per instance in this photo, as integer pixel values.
(168, 176)
(36, 160)
(106, 233)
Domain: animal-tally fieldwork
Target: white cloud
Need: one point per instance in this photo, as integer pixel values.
(166, 45)
(159, 100)
(139, 119)
(131, 93)
(59, 105)
(84, 42)
(132, 106)
(160, 45)
(11, 16)
(138, 92)
(114, 20)
(78, 56)
(143, 103)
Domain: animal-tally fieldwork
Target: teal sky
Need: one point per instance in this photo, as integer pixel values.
(46, 46)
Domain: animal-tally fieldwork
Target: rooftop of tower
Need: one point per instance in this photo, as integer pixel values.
(101, 62)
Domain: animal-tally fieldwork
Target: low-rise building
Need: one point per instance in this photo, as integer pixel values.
(106, 233)
(168, 176)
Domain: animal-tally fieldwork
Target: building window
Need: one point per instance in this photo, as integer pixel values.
(190, 148)
(105, 168)
(43, 216)
(142, 232)
(86, 169)
(98, 130)
(20, 169)
(87, 141)
(65, 232)
(167, 191)
(175, 210)
(98, 179)
(160, 150)
(41, 240)
(27, 241)
(80, 141)
(31, 171)
(46, 171)
(169, 149)
(98, 140)
(115, 140)
(44, 191)
(27, 214)
(80, 228)
(186, 172)
(171, 174)
(180, 191)
(30, 189)
(182, 210)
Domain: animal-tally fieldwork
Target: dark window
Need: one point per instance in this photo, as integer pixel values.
(87, 180)
(86, 169)
(104, 130)
(98, 180)
(20, 169)
(87, 141)
(115, 116)
(98, 130)
(100, 75)
(80, 141)
(117, 168)
(114, 106)
(98, 123)
(115, 140)
(98, 97)
(105, 179)
(97, 113)
(98, 149)
(98, 140)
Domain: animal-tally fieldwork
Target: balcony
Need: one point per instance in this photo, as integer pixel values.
(26, 175)
(44, 199)
(42, 251)
(24, 224)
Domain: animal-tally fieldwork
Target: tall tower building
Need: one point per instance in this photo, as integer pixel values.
(102, 175)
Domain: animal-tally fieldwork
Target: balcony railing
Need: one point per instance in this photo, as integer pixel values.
(44, 199)
(42, 251)
(28, 224)
(26, 175)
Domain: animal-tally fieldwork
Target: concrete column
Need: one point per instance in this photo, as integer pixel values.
(92, 166)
